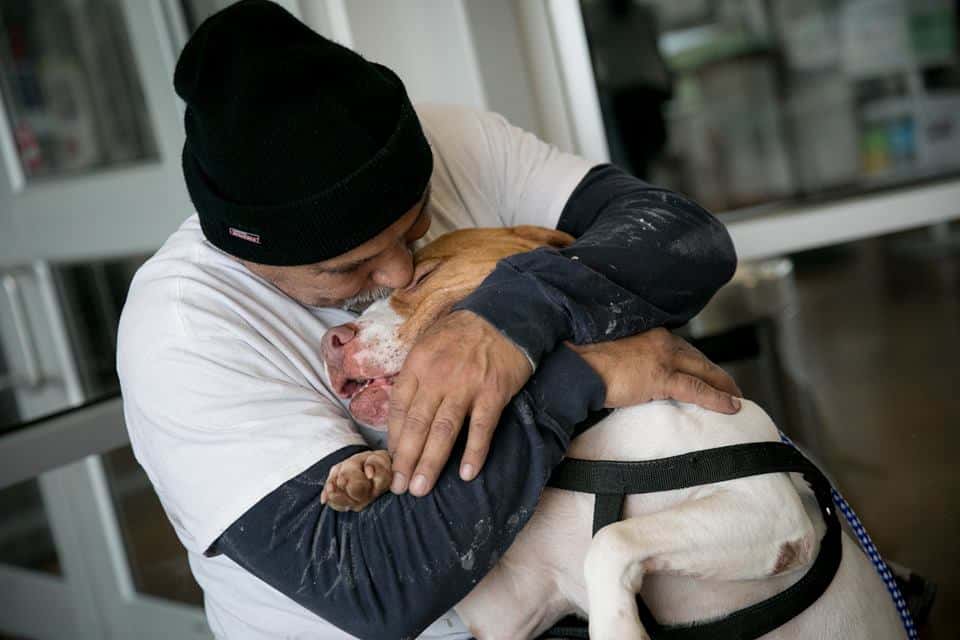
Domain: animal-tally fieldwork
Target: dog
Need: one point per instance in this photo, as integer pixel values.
(693, 554)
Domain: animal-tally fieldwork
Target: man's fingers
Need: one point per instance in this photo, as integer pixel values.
(401, 397)
(443, 433)
(687, 388)
(690, 360)
(409, 444)
(483, 422)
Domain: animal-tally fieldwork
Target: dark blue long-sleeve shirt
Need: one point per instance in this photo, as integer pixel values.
(392, 569)
(644, 257)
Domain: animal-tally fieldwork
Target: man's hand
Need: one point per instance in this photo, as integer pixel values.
(461, 365)
(657, 365)
(357, 481)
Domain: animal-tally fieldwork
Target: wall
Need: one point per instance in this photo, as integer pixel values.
(427, 43)
(459, 51)
(503, 64)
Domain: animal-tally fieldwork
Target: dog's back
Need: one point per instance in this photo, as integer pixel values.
(549, 554)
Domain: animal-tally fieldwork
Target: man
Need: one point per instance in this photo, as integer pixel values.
(312, 175)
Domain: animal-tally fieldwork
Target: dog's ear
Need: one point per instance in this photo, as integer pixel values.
(542, 236)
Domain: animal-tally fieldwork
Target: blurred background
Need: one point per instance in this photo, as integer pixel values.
(824, 133)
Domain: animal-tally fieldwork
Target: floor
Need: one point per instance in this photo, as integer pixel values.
(873, 330)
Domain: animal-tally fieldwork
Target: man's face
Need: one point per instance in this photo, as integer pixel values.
(361, 275)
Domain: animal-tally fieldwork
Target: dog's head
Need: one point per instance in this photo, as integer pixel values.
(363, 357)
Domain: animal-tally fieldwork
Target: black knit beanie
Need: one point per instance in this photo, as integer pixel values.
(297, 149)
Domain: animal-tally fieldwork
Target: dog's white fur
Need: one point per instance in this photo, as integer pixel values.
(694, 554)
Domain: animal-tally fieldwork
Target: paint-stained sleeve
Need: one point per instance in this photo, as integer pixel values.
(644, 257)
(392, 569)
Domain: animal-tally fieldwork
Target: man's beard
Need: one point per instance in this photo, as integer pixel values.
(364, 299)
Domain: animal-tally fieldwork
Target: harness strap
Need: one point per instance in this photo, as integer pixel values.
(607, 508)
(611, 481)
(570, 628)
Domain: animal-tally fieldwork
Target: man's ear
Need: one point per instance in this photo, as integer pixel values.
(542, 236)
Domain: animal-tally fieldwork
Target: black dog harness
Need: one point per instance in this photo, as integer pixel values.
(612, 481)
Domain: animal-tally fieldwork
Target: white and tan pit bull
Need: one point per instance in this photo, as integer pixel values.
(694, 554)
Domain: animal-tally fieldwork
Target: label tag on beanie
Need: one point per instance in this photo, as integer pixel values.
(244, 235)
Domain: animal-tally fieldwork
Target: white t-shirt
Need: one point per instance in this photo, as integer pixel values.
(224, 389)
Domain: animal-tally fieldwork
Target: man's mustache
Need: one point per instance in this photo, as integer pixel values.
(364, 299)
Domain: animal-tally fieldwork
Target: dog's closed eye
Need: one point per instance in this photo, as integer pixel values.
(422, 271)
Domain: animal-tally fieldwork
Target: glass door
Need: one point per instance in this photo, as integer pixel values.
(90, 182)
(90, 131)
(85, 549)
(89, 141)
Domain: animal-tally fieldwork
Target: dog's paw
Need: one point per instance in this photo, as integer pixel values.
(357, 481)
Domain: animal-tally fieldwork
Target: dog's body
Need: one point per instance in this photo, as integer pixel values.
(694, 554)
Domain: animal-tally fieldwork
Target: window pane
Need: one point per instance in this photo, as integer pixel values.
(746, 102)
(70, 88)
(25, 538)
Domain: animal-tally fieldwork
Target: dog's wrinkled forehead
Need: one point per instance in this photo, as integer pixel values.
(457, 263)
(491, 243)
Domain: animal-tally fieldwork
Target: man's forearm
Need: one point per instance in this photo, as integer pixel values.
(644, 257)
(392, 569)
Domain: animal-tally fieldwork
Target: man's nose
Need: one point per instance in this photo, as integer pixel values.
(396, 270)
(334, 341)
